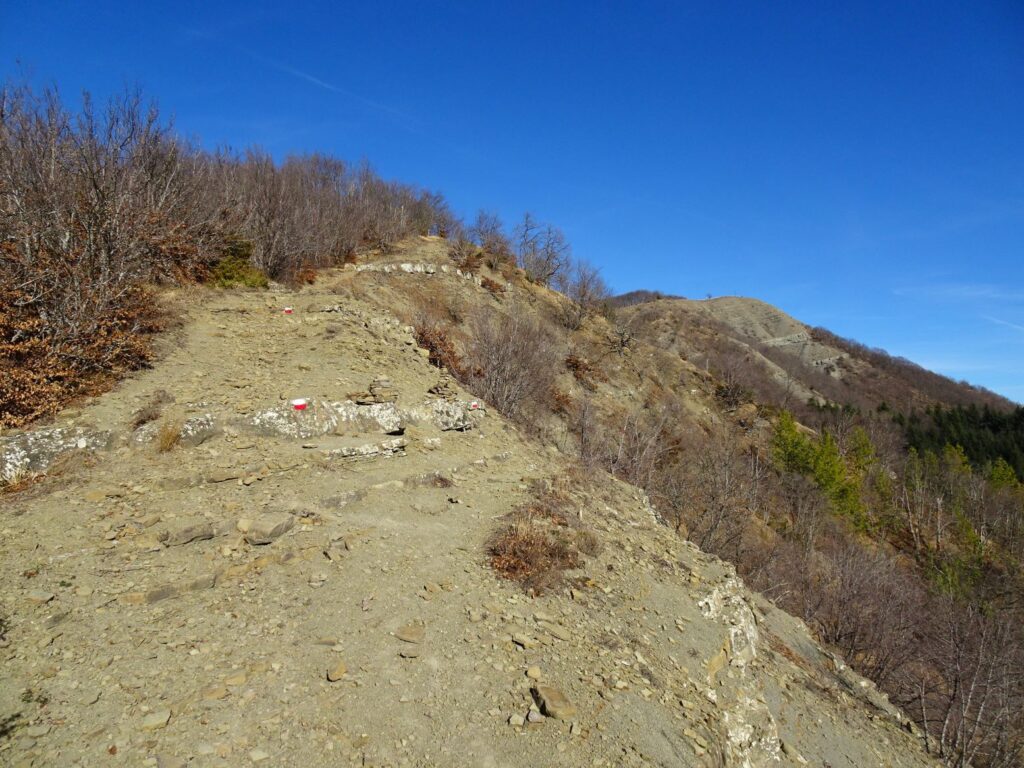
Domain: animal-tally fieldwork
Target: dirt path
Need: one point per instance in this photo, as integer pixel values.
(147, 627)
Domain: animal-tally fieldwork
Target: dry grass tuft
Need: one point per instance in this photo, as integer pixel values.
(440, 481)
(542, 540)
(527, 553)
(584, 371)
(436, 339)
(168, 436)
(493, 286)
(306, 276)
(18, 480)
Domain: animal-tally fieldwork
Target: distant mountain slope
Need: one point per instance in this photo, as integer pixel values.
(639, 297)
(770, 354)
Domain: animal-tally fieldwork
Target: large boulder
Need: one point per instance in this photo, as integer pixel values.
(195, 430)
(384, 417)
(34, 452)
(323, 418)
(318, 418)
(448, 415)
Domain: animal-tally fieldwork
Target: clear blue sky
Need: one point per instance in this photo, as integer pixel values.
(860, 165)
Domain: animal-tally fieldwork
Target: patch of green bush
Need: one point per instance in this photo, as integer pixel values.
(234, 268)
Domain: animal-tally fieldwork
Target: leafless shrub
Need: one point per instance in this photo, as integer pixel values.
(868, 609)
(806, 507)
(95, 206)
(152, 410)
(709, 490)
(488, 233)
(92, 207)
(512, 361)
(970, 710)
(532, 555)
(586, 289)
(462, 249)
(621, 337)
(435, 336)
(493, 286)
(636, 444)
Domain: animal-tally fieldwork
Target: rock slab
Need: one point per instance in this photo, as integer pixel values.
(269, 527)
(554, 703)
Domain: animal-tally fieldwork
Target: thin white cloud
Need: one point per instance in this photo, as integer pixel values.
(1007, 323)
(963, 292)
(211, 35)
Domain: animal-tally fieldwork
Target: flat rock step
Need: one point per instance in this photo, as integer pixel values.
(349, 449)
(441, 478)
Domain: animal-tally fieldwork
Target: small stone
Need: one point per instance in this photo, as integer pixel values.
(269, 526)
(338, 671)
(556, 631)
(554, 703)
(36, 731)
(524, 641)
(215, 693)
(235, 679)
(517, 720)
(154, 721)
(533, 716)
(258, 755)
(411, 633)
(188, 529)
(40, 596)
(222, 475)
(89, 698)
(533, 673)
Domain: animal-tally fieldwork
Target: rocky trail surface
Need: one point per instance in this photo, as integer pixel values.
(290, 588)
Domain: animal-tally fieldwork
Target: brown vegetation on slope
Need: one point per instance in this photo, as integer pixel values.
(98, 206)
(881, 558)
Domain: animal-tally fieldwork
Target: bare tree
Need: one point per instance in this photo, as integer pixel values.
(807, 508)
(488, 232)
(542, 249)
(968, 693)
(96, 205)
(586, 290)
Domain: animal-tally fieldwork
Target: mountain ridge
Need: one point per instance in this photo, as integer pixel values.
(279, 585)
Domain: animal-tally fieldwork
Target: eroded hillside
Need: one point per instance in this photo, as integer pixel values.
(774, 357)
(207, 576)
